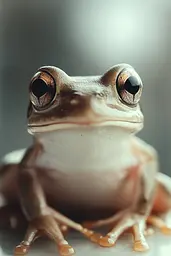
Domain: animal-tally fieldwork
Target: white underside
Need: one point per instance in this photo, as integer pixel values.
(86, 149)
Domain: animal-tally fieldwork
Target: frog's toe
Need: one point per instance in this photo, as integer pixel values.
(149, 231)
(21, 249)
(159, 223)
(106, 241)
(141, 246)
(140, 243)
(65, 249)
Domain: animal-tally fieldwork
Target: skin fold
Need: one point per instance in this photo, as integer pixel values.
(86, 168)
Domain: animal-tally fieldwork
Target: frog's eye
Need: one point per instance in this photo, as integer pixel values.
(42, 90)
(129, 86)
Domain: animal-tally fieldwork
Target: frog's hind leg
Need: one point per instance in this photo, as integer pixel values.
(8, 184)
(162, 204)
(11, 215)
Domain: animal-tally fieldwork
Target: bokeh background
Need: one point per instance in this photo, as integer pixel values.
(86, 37)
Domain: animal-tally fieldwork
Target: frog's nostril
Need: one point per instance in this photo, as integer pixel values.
(74, 102)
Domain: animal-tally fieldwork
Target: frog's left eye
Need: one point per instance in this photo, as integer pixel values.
(129, 86)
(42, 90)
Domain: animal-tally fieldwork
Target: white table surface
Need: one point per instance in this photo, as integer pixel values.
(159, 245)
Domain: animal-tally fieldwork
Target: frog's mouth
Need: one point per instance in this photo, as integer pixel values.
(129, 126)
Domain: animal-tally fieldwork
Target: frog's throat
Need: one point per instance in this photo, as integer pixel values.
(86, 149)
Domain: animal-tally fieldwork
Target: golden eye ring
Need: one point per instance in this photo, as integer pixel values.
(129, 86)
(42, 90)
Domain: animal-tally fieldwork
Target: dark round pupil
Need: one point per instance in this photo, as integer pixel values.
(132, 85)
(39, 88)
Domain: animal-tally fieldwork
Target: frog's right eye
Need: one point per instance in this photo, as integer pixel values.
(42, 90)
(129, 86)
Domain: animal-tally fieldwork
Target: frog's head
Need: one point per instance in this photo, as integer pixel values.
(58, 101)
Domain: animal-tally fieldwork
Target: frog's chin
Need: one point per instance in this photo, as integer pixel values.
(127, 126)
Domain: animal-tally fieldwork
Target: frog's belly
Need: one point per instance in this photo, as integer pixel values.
(87, 167)
(89, 193)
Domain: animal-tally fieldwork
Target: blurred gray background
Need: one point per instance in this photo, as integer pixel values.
(86, 37)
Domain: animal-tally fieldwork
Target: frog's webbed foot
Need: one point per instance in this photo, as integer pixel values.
(125, 221)
(53, 225)
(44, 225)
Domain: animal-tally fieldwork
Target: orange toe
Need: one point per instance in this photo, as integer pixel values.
(140, 246)
(66, 250)
(166, 230)
(106, 241)
(95, 237)
(21, 249)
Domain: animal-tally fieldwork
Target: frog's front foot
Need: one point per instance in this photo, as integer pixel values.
(134, 223)
(44, 225)
(125, 221)
(53, 226)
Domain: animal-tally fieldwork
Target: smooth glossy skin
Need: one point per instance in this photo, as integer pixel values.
(92, 101)
(86, 164)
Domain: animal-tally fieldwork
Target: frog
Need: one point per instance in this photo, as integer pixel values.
(86, 167)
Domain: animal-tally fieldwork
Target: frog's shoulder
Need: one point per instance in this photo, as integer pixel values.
(144, 147)
(13, 157)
